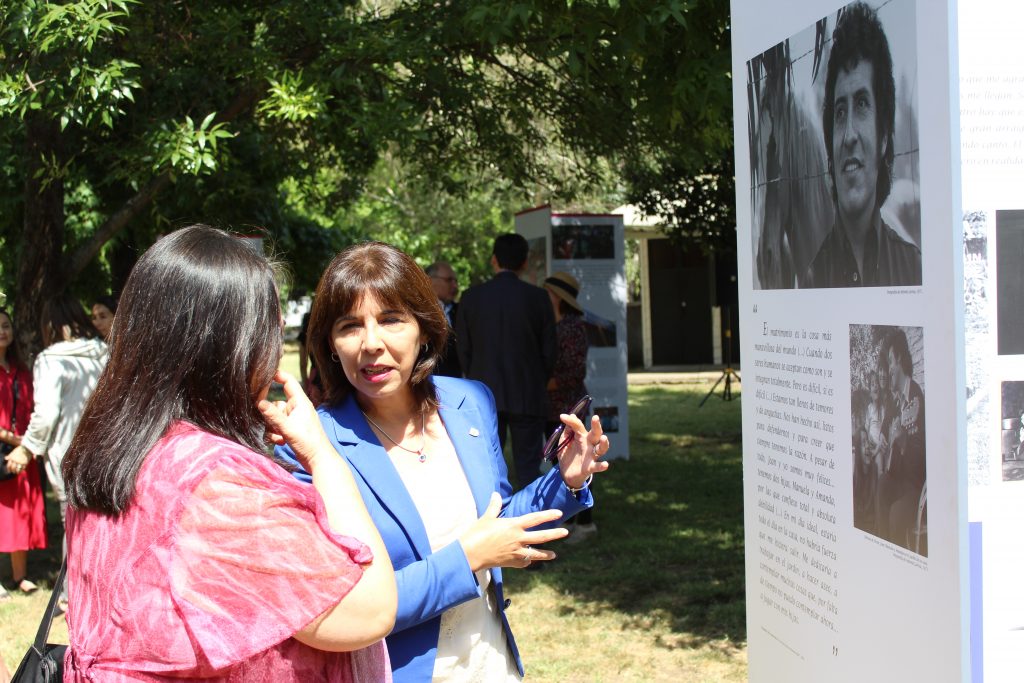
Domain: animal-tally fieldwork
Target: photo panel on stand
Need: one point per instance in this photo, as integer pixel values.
(570, 241)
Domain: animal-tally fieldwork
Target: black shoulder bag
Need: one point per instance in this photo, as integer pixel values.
(5, 447)
(44, 662)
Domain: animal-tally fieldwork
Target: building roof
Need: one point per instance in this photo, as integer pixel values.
(639, 226)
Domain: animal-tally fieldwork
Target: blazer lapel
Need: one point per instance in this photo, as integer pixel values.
(356, 441)
(468, 433)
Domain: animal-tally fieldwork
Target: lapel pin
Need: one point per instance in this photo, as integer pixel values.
(473, 431)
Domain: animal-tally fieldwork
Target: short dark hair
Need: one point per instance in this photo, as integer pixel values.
(108, 301)
(859, 36)
(63, 311)
(390, 276)
(432, 269)
(511, 250)
(896, 340)
(198, 338)
(13, 349)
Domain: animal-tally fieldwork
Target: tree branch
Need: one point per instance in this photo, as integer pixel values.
(88, 250)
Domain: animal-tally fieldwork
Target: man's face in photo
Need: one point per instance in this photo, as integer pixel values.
(856, 150)
(895, 371)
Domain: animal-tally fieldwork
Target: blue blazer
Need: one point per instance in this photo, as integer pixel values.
(430, 583)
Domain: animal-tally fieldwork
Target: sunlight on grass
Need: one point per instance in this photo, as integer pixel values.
(658, 594)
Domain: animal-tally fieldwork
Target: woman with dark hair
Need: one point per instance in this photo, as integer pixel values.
(103, 311)
(566, 387)
(63, 377)
(192, 555)
(22, 514)
(428, 462)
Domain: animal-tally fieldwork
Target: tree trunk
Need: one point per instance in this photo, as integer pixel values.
(41, 272)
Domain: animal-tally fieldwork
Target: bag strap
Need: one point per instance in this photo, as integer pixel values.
(44, 626)
(14, 403)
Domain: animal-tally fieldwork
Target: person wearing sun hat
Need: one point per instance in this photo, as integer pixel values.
(566, 385)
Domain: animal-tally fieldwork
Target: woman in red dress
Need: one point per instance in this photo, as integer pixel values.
(22, 514)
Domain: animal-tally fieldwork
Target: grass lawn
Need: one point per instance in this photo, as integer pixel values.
(656, 595)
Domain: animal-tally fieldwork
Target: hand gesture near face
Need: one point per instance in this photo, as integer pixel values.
(296, 423)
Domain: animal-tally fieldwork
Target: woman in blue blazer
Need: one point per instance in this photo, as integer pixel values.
(427, 460)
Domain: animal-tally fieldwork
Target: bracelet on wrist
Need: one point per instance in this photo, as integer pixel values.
(584, 485)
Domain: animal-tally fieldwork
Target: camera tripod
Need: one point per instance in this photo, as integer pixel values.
(727, 373)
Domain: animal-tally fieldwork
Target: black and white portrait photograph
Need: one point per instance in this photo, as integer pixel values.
(890, 491)
(834, 166)
(1010, 282)
(1012, 436)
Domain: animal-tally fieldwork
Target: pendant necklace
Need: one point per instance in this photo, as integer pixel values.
(419, 452)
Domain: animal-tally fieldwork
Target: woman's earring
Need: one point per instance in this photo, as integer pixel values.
(335, 358)
(424, 348)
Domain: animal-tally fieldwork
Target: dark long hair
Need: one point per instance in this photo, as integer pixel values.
(198, 337)
(63, 311)
(393, 278)
(13, 351)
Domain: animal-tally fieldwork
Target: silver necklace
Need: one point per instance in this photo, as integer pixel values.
(419, 452)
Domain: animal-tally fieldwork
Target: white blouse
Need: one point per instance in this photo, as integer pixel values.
(472, 644)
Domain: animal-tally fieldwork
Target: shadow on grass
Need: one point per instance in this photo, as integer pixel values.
(670, 543)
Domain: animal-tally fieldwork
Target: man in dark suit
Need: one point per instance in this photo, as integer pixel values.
(446, 286)
(506, 333)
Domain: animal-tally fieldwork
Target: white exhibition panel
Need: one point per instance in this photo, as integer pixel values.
(591, 247)
(830, 596)
(991, 70)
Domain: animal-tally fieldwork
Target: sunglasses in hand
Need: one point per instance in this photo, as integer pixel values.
(555, 443)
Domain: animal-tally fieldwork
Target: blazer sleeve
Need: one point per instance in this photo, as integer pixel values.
(548, 492)
(545, 493)
(429, 586)
(426, 587)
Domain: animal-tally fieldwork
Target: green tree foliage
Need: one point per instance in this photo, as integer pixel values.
(318, 122)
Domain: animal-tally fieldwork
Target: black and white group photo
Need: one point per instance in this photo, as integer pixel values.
(832, 120)
(1012, 432)
(890, 491)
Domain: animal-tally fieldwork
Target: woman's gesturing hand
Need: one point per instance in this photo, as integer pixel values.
(580, 459)
(494, 541)
(295, 422)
